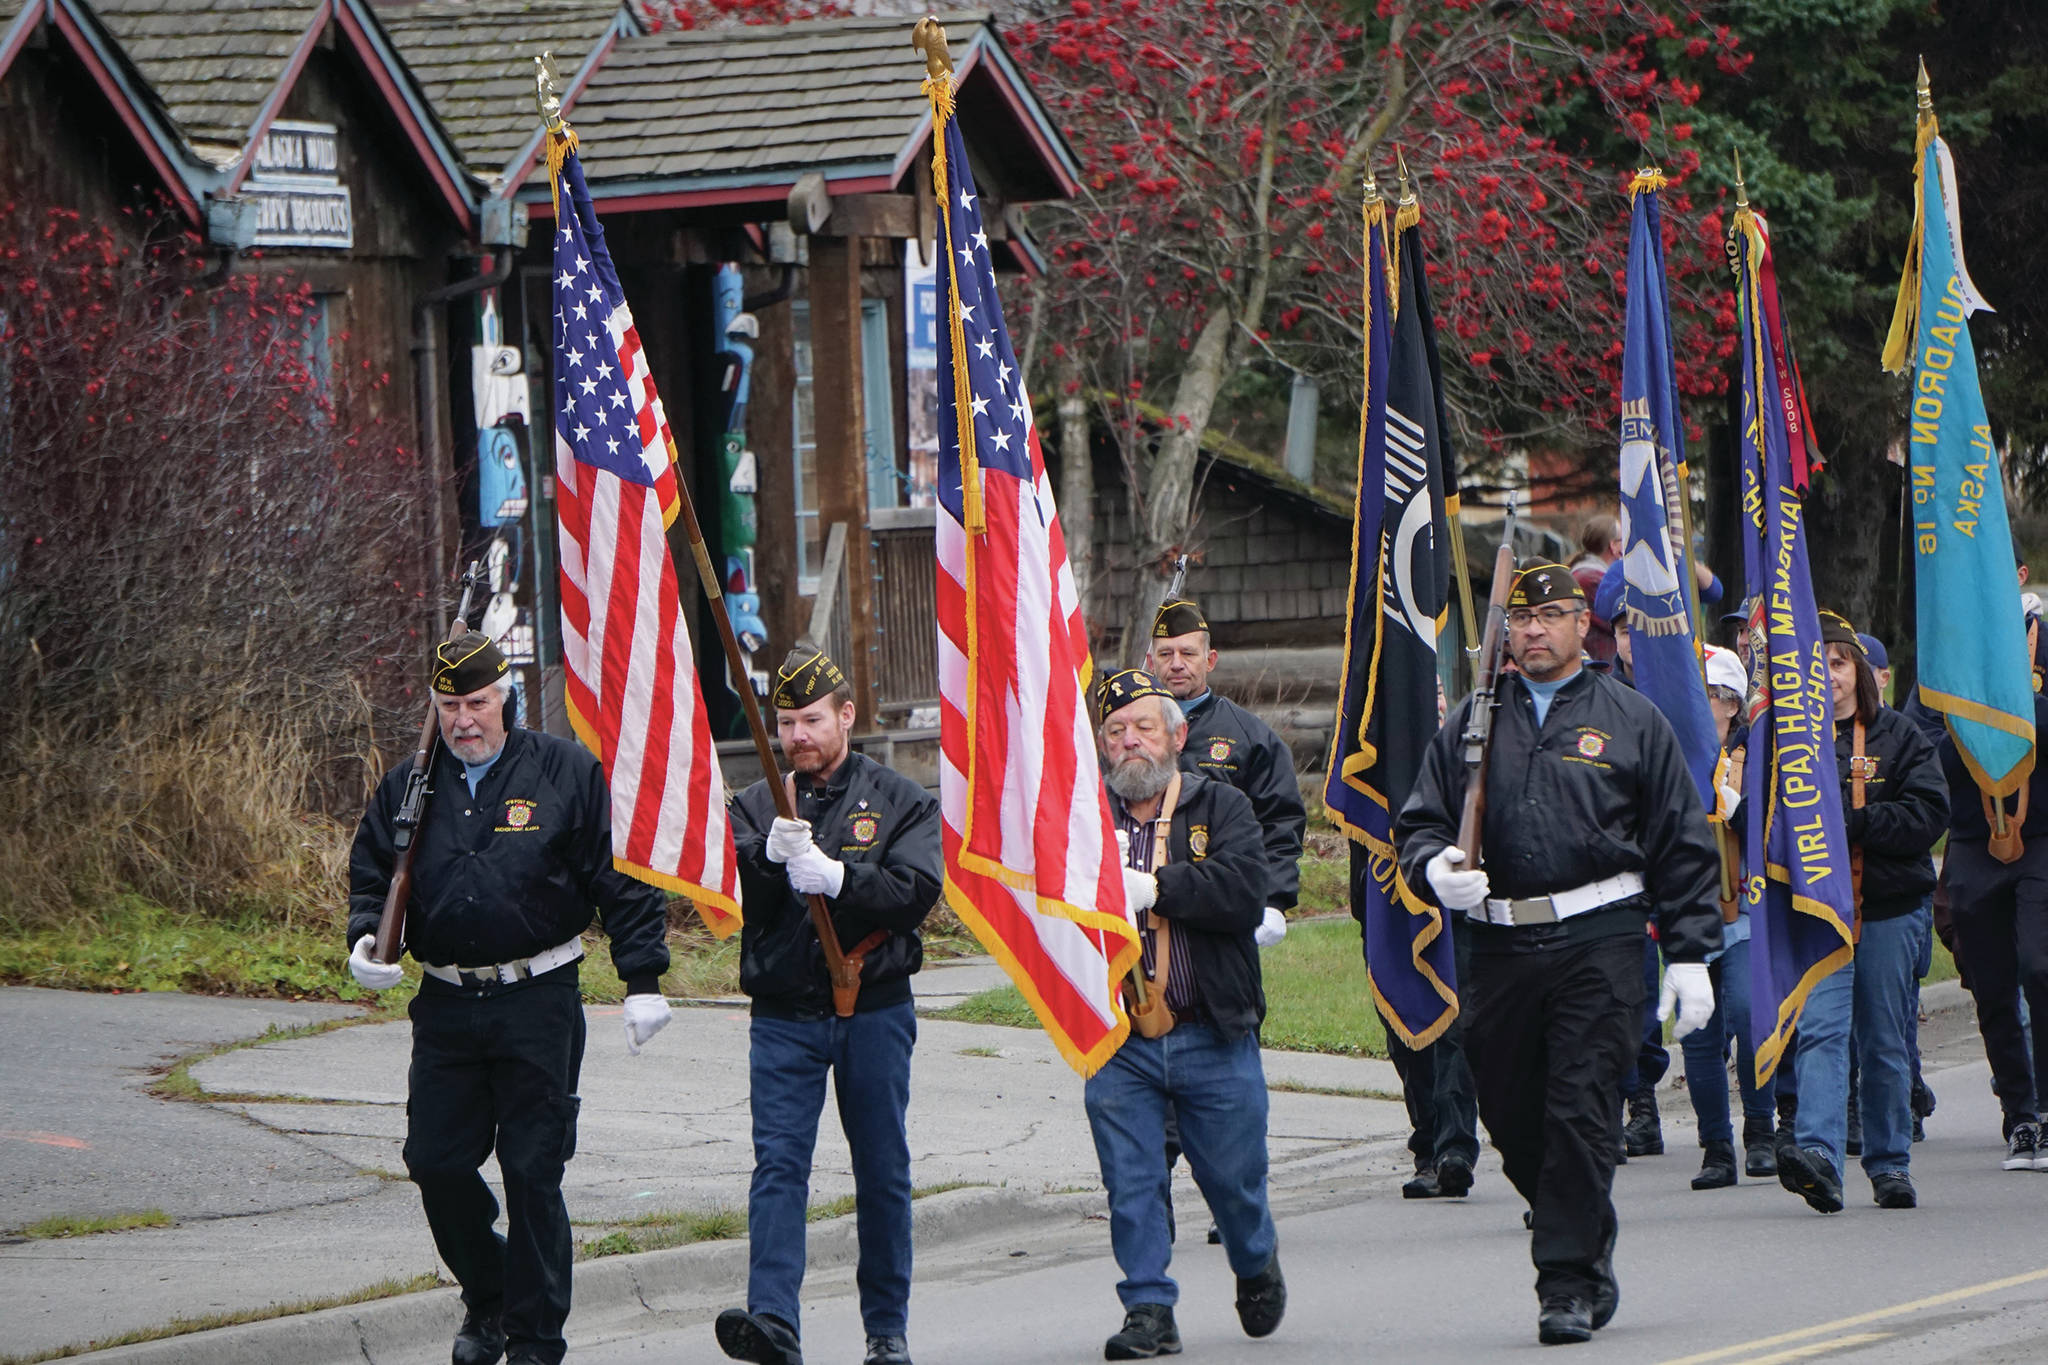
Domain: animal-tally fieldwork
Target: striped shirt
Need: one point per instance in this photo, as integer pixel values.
(1183, 997)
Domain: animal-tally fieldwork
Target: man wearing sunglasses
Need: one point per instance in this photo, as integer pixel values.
(1592, 824)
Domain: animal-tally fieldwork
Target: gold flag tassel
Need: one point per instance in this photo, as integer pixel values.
(929, 38)
(560, 138)
(1407, 213)
(1898, 343)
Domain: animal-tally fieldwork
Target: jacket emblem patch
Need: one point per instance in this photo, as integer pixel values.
(1591, 744)
(865, 827)
(1198, 840)
(1219, 750)
(518, 815)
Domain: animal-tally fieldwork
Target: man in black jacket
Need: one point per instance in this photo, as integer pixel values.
(866, 839)
(514, 851)
(1592, 823)
(1194, 879)
(1229, 744)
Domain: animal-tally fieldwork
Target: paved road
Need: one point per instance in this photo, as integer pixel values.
(1748, 1274)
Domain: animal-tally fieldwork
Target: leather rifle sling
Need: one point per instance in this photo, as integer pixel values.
(1154, 1019)
(1859, 770)
(2008, 847)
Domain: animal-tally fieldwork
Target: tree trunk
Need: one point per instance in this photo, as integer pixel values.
(1077, 477)
(1160, 520)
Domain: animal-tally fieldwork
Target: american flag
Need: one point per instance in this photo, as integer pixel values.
(632, 683)
(1031, 858)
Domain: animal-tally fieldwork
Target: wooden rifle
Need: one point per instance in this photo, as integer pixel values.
(412, 810)
(1493, 647)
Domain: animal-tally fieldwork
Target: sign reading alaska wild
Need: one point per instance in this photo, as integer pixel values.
(296, 183)
(1974, 668)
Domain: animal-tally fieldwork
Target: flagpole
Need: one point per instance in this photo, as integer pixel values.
(844, 972)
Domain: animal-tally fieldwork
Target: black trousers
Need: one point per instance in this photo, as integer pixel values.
(1436, 1081)
(495, 1069)
(2000, 914)
(1550, 1028)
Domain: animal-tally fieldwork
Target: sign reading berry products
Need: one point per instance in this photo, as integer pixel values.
(296, 183)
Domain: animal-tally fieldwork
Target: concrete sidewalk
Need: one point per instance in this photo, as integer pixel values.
(669, 1130)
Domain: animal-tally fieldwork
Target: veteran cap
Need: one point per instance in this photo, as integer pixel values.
(1119, 690)
(1540, 583)
(468, 663)
(1836, 630)
(806, 675)
(1176, 619)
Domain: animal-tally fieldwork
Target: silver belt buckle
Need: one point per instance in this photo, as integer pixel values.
(1534, 910)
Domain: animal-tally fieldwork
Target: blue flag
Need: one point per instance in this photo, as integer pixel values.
(1656, 561)
(1400, 588)
(1974, 667)
(1797, 883)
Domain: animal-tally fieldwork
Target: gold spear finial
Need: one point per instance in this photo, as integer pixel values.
(1372, 188)
(1922, 91)
(1741, 190)
(1407, 189)
(547, 91)
(929, 38)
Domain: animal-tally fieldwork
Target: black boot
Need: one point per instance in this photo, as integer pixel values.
(1148, 1331)
(1454, 1176)
(1757, 1157)
(1564, 1320)
(1717, 1168)
(481, 1340)
(1643, 1134)
(1809, 1174)
(887, 1351)
(1262, 1300)
(1423, 1185)
(761, 1338)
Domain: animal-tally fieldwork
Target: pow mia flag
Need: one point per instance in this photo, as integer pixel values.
(1407, 503)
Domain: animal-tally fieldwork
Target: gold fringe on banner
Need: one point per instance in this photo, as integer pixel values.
(1899, 341)
(938, 88)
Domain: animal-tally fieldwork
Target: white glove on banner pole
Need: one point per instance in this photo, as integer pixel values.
(1456, 890)
(787, 838)
(812, 873)
(646, 1015)
(377, 976)
(1687, 986)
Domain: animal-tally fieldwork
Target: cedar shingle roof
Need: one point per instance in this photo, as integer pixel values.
(475, 64)
(212, 62)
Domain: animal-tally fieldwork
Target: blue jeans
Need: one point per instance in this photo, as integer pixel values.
(1873, 993)
(1218, 1088)
(869, 1056)
(1706, 1052)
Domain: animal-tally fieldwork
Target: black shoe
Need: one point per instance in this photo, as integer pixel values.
(1919, 1129)
(1607, 1294)
(1893, 1190)
(1717, 1168)
(1148, 1331)
(1564, 1320)
(887, 1351)
(1454, 1176)
(1643, 1134)
(1423, 1184)
(481, 1340)
(761, 1338)
(1808, 1173)
(1215, 1235)
(1757, 1157)
(1262, 1300)
(1923, 1099)
(2023, 1148)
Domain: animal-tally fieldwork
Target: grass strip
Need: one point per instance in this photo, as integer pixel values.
(178, 1327)
(662, 1230)
(1347, 1092)
(85, 1225)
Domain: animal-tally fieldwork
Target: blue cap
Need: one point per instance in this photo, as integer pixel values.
(1873, 650)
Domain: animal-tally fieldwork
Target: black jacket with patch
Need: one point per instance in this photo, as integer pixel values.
(515, 869)
(1599, 789)
(885, 829)
(1229, 744)
(1904, 814)
(1214, 900)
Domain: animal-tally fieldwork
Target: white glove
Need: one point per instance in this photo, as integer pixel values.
(378, 976)
(811, 873)
(1687, 985)
(787, 838)
(1141, 889)
(646, 1015)
(1730, 799)
(1456, 890)
(1271, 929)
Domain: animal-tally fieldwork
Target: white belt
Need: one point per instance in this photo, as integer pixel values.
(1564, 904)
(505, 973)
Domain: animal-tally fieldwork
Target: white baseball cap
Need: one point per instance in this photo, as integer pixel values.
(1724, 669)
